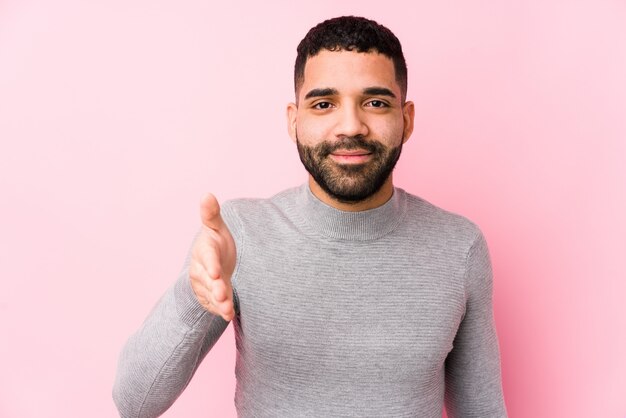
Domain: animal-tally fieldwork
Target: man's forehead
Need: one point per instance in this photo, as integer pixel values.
(326, 59)
(333, 69)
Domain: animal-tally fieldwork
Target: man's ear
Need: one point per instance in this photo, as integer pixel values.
(292, 112)
(408, 114)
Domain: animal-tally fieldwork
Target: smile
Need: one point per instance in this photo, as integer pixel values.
(351, 156)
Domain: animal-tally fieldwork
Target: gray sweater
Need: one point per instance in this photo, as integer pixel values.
(380, 313)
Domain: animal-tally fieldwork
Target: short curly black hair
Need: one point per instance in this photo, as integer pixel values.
(351, 33)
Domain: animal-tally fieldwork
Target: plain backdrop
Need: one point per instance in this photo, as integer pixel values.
(116, 116)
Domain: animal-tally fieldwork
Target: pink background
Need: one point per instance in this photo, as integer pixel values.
(116, 116)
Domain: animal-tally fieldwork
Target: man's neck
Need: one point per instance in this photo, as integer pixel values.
(377, 199)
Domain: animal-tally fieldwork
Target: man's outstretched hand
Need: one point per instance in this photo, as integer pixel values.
(213, 259)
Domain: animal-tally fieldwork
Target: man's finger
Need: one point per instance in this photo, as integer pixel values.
(221, 306)
(210, 259)
(220, 291)
(210, 213)
(227, 310)
(228, 315)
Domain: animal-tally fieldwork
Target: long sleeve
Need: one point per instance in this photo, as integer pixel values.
(159, 360)
(473, 374)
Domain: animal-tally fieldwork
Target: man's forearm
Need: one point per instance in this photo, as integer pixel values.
(158, 361)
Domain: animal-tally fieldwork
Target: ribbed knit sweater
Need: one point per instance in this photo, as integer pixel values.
(380, 313)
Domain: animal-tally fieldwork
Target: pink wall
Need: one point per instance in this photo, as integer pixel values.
(116, 116)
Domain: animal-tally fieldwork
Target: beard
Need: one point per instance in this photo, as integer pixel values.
(349, 183)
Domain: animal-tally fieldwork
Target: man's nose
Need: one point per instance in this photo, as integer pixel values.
(350, 122)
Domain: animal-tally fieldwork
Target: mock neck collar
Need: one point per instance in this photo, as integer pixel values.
(364, 225)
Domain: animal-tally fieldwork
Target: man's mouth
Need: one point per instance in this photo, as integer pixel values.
(353, 156)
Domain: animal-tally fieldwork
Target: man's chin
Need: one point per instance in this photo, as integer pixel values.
(354, 191)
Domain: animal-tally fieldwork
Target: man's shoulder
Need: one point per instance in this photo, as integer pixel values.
(437, 220)
(286, 196)
(260, 209)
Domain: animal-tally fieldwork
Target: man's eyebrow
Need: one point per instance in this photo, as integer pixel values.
(321, 93)
(378, 91)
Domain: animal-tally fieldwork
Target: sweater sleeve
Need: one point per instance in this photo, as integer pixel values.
(159, 360)
(473, 375)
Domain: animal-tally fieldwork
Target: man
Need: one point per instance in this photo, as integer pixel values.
(348, 297)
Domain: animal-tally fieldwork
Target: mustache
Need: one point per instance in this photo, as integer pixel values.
(324, 149)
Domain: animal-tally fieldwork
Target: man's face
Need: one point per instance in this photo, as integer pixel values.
(349, 124)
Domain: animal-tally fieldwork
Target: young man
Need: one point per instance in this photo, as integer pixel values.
(348, 297)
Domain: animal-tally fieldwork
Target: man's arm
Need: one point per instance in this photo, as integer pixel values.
(159, 360)
(473, 375)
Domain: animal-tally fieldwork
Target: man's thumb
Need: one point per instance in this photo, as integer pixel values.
(210, 212)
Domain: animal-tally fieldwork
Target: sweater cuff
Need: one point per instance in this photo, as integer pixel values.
(190, 311)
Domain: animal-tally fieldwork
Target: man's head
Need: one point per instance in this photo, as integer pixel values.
(350, 118)
(351, 33)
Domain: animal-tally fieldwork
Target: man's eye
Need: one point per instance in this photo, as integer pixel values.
(322, 105)
(377, 103)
